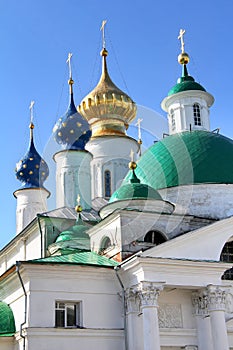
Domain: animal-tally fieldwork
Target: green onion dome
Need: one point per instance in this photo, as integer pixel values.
(75, 237)
(7, 321)
(134, 189)
(185, 158)
(185, 83)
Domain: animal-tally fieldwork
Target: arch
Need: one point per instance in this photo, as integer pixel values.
(107, 183)
(154, 237)
(105, 243)
(197, 114)
(227, 256)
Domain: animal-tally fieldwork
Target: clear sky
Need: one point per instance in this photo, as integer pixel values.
(141, 36)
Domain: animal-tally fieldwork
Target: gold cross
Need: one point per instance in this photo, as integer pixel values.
(181, 38)
(103, 33)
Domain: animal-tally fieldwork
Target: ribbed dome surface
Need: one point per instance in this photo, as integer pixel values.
(7, 321)
(187, 158)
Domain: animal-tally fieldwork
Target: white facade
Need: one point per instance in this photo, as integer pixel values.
(73, 178)
(29, 203)
(188, 110)
(112, 154)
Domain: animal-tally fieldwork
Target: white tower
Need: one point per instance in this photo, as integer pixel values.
(73, 172)
(187, 103)
(109, 111)
(32, 171)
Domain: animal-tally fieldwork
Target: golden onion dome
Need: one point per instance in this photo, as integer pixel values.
(107, 109)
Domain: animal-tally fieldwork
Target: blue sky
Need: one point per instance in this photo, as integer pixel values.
(141, 36)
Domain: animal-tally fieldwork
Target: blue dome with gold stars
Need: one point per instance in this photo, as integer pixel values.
(71, 130)
(32, 170)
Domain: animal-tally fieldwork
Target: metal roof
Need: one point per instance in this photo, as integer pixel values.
(78, 258)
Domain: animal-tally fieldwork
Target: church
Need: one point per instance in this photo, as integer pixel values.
(138, 252)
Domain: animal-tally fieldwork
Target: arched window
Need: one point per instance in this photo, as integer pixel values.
(154, 237)
(106, 243)
(197, 114)
(173, 122)
(227, 256)
(107, 183)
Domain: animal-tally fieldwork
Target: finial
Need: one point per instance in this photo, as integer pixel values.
(78, 207)
(132, 164)
(183, 58)
(31, 125)
(138, 124)
(70, 81)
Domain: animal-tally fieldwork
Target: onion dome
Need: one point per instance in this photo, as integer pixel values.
(134, 195)
(71, 130)
(74, 238)
(107, 109)
(186, 158)
(32, 170)
(134, 189)
(7, 321)
(185, 82)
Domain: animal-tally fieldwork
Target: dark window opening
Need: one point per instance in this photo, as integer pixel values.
(107, 183)
(227, 256)
(154, 237)
(197, 114)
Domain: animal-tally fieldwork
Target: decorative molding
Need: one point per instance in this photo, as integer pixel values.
(216, 298)
(132, 301)
(170, 316)
(148, 293)
(200, 303)
(190, 347)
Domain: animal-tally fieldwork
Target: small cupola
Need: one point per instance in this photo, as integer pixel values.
(108, 110)
(187, 103)
(71, 131)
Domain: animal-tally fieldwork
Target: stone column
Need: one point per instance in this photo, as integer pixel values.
(204, 336)
(133, 320)
(148, 293)
(216, 306)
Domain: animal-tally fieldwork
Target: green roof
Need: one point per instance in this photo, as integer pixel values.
(187, 158)
(185, 83)
(7, 321)
(134, 189)
(76, 234)
(78, 258)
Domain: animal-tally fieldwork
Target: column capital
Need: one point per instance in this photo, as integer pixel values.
(216, 296)
(200, 303)
(148, 293)
(132, 302)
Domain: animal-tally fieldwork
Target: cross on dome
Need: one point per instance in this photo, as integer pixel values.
(103, 33)
(181, 38)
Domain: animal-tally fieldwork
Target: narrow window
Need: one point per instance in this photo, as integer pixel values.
(107, 183)
(67, 314)
(227, 256)
(197, 114)
(173, 122)
(154, 237)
